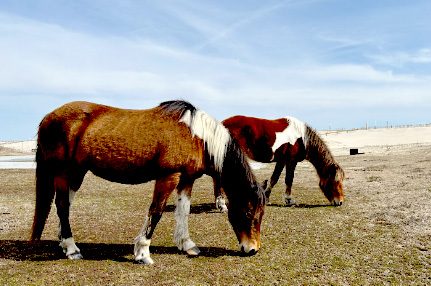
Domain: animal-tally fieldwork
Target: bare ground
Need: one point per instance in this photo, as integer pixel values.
(380, 236)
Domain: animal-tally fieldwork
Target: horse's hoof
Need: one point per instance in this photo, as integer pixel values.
(145, 261)
(291, 203)
(193, 251)
(75, 256)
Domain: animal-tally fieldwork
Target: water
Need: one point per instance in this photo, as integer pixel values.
(17, 162)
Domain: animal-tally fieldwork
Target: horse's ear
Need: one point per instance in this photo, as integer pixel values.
(338, 173)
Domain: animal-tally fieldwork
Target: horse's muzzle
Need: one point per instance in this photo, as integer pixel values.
(337, 202)
(251, 252)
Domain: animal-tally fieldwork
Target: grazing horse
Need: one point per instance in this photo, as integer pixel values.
(174, 144)
(285, 141)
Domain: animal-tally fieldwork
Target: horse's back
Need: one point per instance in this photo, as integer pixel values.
(112, 142)
(256, 136)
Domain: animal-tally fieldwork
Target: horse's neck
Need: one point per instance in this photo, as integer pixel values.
(236, 176)
(317, 153)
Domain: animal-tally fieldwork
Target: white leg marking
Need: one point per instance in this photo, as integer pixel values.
(221, 204)
(142, 250)
(288, 200)
(142, 246)
(69, 246)
(72, 194)
(181, 234)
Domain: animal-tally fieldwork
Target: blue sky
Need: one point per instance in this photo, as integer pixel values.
(344, 63)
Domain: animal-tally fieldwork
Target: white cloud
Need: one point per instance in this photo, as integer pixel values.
(357, 73)
(54, 61)
(399, 59)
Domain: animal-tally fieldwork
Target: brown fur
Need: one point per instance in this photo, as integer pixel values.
(257, 136)
(136, 146)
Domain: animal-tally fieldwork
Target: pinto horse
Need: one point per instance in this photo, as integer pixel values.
(285, 141)
(174, 144)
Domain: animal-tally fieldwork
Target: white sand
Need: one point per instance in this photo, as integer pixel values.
(20, 146)
(374, 140)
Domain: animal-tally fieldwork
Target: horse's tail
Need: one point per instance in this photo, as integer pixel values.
(45, 192)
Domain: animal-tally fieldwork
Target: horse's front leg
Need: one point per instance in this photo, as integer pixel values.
(162, 190)
(290, 173)
(274, 179)
(182, 211)
(63, 199)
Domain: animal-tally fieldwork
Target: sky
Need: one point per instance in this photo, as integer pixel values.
(330, 63)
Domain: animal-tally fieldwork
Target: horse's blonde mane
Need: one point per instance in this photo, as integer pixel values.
(212, 132)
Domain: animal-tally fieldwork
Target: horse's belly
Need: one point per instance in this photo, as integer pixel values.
(135, 175)
(122, 167)
(264, 155)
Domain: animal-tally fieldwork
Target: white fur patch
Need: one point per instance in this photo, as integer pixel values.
(214, 134)
(221, 204)
(181, 234)
(291, 134)
(142, 248)
(72, 194)
(69, 246)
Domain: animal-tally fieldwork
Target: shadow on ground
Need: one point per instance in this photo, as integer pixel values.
(211, 208)
(303, 206)
(45, 250)
(196, 209)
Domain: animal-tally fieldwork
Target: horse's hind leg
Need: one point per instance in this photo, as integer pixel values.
(75, 182)
(64, 197)
(290, 173)
(274, 179)
(220, 199)
(163, 189)
(182, 211)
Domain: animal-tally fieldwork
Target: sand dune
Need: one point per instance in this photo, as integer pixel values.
(340, 142)
(16, 147)
(376, 140)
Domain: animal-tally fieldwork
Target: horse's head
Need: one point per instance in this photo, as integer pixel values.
(332, 184)
(246, 217)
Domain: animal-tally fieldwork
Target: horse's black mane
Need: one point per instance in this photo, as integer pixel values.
(231, 165)
(177, 108)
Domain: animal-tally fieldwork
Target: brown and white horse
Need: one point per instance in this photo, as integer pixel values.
(285, 141)
(174, 144)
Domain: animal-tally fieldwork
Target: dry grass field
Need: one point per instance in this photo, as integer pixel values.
(380, 236)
